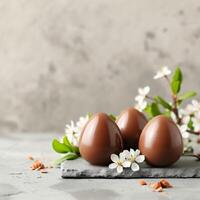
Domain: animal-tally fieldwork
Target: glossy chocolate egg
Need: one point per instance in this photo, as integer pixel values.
(131, 123)
(161, 142)
(99, 139)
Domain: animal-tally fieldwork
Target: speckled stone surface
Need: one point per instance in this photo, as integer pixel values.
(18, 182)
(186, 167)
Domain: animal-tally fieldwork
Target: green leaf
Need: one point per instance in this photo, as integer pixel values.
(155, 109)
(177, 75)
(68, 156)
(162, 102)
(60, 147)
(176, 81)
(152, 110)
(190, 124)
(72, 148)
(176, 87)
(187, 95)
(112, 117)
(75, 149)
(67, 143)
(167, 113)
(147, 110)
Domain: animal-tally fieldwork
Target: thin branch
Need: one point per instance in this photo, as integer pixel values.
(168, 81)
(194, 132)
(174, 100)
(192, 155)
(175, 109)
(150, 98)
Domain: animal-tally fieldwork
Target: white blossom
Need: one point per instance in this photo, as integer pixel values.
(196, 123)
(183, 129)
(140, 98)
(197, 115)
(142, 93)
(185, 119)
(173, 117)
(164, 71)
(81, 123)
(192, 111)
(73, 131)
(72, 134)
(192, 108)
(134, 158)
(189, 110)
(141, 106)
(119, 162)
(127, 159)
(196, 105)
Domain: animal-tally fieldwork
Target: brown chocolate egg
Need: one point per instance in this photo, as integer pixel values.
(161, 142)
(99, 139)
(131, 123)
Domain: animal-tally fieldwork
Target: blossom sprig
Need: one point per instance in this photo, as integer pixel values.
(73, 131)
(127, 159)
(140, 98)
(187, 119)
(69, 143)
(163, 72)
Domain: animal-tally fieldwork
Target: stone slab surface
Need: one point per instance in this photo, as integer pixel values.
(186, 167)
(18, 182)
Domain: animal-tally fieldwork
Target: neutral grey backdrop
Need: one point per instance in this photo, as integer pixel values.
(60, 59)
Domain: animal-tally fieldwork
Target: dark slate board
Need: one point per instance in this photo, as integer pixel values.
(186, 167)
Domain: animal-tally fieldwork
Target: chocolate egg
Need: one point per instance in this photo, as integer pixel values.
(161, 142)
(99, 139)
(131, 123)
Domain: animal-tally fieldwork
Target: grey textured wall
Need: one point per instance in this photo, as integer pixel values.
(62, 58)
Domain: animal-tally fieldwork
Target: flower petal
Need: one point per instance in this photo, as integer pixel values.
(137, 152)
(143, 105)
(126, 164)
(158, 75)
(139, 98)
(132, 152)
(127, 154)
(112, 166)
(141, 91)
(183, 128)
(185, 134)
(196, 104)
(146, 90)
(186, 119)
(135, 167)
(140, 159)
(114, 157)
(166, 71)
(197, 115)
(119, 169)
(122, 157)
(173, 117)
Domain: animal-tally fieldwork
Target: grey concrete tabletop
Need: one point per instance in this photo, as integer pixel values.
(18, 181)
